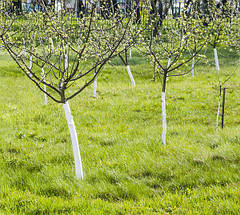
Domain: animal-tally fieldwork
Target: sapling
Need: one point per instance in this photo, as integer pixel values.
(107, 10)
(167, 49)
(220, 21)
(61, 74)
(126, 63)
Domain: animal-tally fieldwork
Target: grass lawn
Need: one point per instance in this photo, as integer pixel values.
(126, 169)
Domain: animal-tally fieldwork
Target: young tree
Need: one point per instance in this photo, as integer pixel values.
(89, 40)
(168, 49)
(219, 20)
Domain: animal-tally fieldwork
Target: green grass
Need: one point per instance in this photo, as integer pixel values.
(126, 169)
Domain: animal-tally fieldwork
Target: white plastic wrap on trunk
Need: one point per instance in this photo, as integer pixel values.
(216, 59)
(130, 75)
(218, 111)
(193, 65)
(44, 87)
(164, 120)
(130, 53)
(73, 133)
(95, 87)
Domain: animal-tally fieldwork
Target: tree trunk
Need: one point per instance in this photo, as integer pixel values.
(95, 88)
(131, 76)
(218, 69)
(193, 65)
(52, 45)
(44, 87)
(130, 53)
(73, 133)
(164, 115)
(216, 60)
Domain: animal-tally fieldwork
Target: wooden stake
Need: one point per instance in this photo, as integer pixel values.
(223, 105)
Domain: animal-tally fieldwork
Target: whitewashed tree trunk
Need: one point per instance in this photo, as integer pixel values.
(52, 45)
(216, 59)
(164, 115)
(169, 62)
(75, 146)
(131, 76)
(95, 88)
(193, 65)
(164, 120)
(218, 69)
(44, 87)
(130, 53)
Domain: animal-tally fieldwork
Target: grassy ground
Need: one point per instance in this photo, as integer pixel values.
(126, 169)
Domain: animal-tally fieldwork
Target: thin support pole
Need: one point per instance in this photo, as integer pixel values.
(223, 105)
(219, 105)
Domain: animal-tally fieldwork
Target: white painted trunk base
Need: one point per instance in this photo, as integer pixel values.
(193, 65)
(131, 76)
(75, 146)
(216, 59)
(218, 69)
(130, 53)
(44, 87)
(95, 87)
(52, 45)
(169, 62)
(164, 119)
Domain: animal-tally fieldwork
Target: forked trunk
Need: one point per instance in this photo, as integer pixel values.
(164, 115)
(131, 76)
(73, 133)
